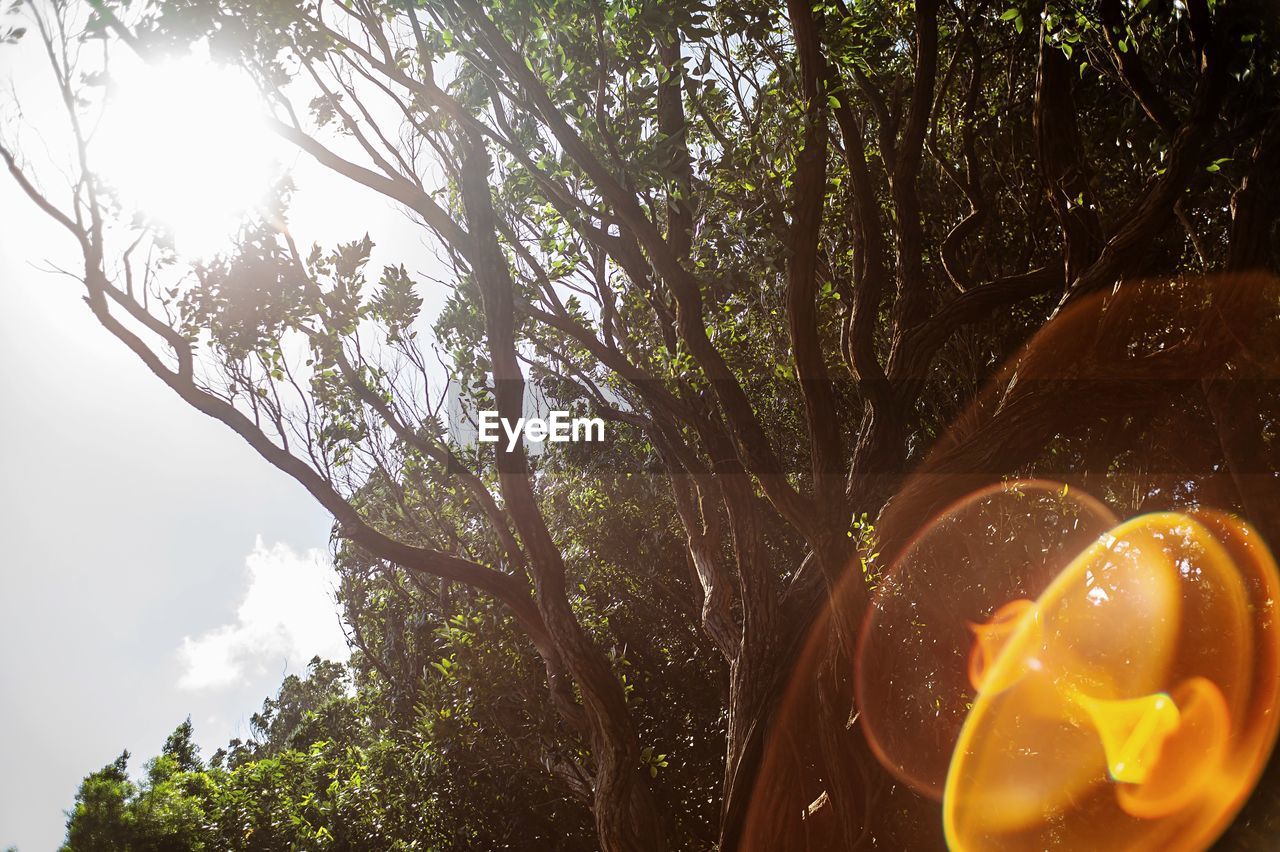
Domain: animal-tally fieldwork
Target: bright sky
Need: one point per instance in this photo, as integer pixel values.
(153, 566)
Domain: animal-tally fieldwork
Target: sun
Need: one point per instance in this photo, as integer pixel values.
(185, 143)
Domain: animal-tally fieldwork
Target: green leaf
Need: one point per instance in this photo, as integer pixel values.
(1010, 14)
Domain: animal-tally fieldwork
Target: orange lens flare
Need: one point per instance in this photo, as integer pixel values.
(918, 664)
(1132, 705)
(991, 637)
(1133, 732)
(1190, 756)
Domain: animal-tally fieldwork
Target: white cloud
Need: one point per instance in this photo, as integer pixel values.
(288, 615)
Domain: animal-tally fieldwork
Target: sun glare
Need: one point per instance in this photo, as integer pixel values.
(185, 144)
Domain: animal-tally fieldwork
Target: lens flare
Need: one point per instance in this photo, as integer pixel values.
(1133, 705)
(918, 661)
(1036, 674)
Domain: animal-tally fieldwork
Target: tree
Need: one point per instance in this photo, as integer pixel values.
(781, 251)
(97, 821)
(341, 778)
(111, 812)
(179, 746)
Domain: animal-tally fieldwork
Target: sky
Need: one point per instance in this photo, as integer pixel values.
(153, 566)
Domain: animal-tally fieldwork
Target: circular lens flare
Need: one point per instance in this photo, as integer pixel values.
(918, 660)
(1136, 700)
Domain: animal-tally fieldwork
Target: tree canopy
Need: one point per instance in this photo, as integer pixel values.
(793, 254)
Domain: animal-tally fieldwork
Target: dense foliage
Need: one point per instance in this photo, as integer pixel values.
(782, 249)
(326, 770)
